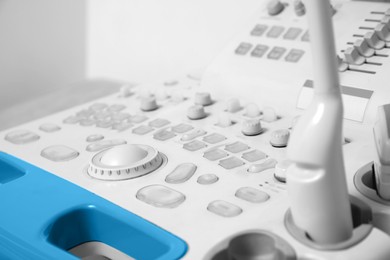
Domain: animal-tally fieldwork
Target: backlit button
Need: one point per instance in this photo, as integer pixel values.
(276, 53)
(59, 153)
(116, 108)
(254, 156)
(362, 47)
(352, 56)
(148, 104)
(373, 40)
(243, 48)
(267, 164)
(207, 179)
(94, 138)
(72, 120)
(203, 99)
(194, 146)
(281, 170)
(181, 173)
(224, 208)
(294, 55)
(252, 127)
(214, 138)
(233, 105)
(269, 115)
(259, 30)
(292, 33)
(98, 106)
(142, 130)
(49, 128)
(236, 147)
(94, 147)
(136, 119)
(193, 134)
(164, 135)
(275, 31)
(252, 110)
(215, 154)
(21, 137)
(275, 7)
(259, 50)
(279, 138)
(159, 123)
(122, 126)
(160, 196)
(182, 128)
(231, 163)
(196, 112)
(252, 195)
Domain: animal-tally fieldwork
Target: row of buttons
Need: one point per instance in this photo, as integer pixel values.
(294, 55)
(164, 197)
(27, 136)
(276, 31)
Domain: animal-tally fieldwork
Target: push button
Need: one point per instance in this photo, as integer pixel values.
(142, 130)
(294, 55)
(352, 56)
(164, 135)
(59, 153)
(236, 147)
(254, 156)
(49, 128)
(276, 53)
(94, 138)
(21, 137)
(275, 31)
(122, 126)
(252, 195)
(259, 30)
(224, 208)
(215, 154)
(292, 33)
(275, 7)
(182, 128)
(138, 119)
(181, 173)
(259, 50)
(159, 122)
(214, 138)
(243, 48)
(194, 146)
(193, 134)
(231, 163)
(94, 147)
(160, 196)
(279, 138)
(207, 179)
(267, 164)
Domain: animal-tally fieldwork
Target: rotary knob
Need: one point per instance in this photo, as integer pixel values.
(252, 110)
(196, 112)
(203, 99)
(148, 104)
(252, 127)
(123, 162)
(275, 7)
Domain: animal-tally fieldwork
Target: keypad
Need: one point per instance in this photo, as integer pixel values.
(181, 173)
(160, 196)
(231, 163)
(21, 137)
(59, 153)
(224, 208)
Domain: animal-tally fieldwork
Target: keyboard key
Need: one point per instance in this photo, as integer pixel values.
(215, 154)
(260, 167)
(157, 123)
(275, 31)
(231, 163)
(252, 195)
(259, 50)
(254, 156)
(164, 135)
(194, 146)
(181, 173)
(98, 146)
(292, 33)
(243, 48)
(259, 30)
(214, 138)
(224, 208)
(49, 128)
(276, 53)
(207, 179)
(236, 147)
(59, 153)
(142, 130)
(160, 196)
(21, 137)
(182, 128)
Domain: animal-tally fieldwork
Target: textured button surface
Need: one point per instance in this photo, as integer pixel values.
(215, 154)
(207, 179)
(252, 195)
(59, 153)
(231, 163)
(21, 137)
(224, 208)
(160, 196)
(181, 173)
(254, 156)
(97, 146)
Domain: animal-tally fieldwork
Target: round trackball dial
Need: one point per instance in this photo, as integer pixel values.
(123, 162)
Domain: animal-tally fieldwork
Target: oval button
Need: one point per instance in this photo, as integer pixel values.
(181, 173)
(160, 196)
(252, 195)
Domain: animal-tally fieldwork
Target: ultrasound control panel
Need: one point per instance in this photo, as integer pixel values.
(203, 156)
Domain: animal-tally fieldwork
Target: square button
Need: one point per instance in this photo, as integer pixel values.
(305, 37)
(259, 30)
(215, 154)
(276, 53)
(164, 135)
(231, 163)
(294, 55)
(259, 50)
(214, 138)
(138, 119)
(158, 123)
(182, 128)
(142, 130)
(236, 147)
(254, 156)
(194, 146)
(275, 31)
(292, 33)
(243, 48)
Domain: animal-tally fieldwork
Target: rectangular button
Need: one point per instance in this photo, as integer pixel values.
(292, 33)
(214, 138)
(259, 30)
(194, 146)
(236, 147)
(275, 31)
(142, 130)
(276, 53)
(259, 50)
(305, 37)
(294, 55)
(164, 135)
(231, 163)
(215, 154)
(243, 48)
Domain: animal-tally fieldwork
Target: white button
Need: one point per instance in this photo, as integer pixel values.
(193, 134)
(72, 120)
(182, 128)
(215, 154)
(342, 65)
(231, 163)
(352, 56)
(122, 126)
(233, 105)
(252, 127)
(279, 138)
(203, 99)
(196, 112)
(59, 153)
(269, 114)
(236, 147)
(267, 164)
(126, 90)
(224, 208)
(159, 122)
(254, 156)
(142, 130)
(275, 7)
(94, 138)
(252, 195)
(116, 108)
(214, 138)
(181, 173)
(98, 106)
(136, 119)
(160, 196)
(194, 146)
(281, 170)
(383, 32)
(224, 120)
(362, 46)
(164, 135)
(119, 117)
(252, 110)
(299, 8)
(21, 137)
(374, 41)
(49, 128)
(207, 179)
(161, 94)
(148, 104)
(94, 147)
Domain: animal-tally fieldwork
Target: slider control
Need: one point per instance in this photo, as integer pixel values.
(362, 47)
(352, 56)
(383, 32)
(373, 40)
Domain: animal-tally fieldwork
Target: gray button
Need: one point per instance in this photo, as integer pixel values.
(243, 48)
(305, 37)
(254, 155)
(193, 134)
(207, 179)
(49, 128)
(72, 120)
(259, 30)
(182, 128)
(279, 138)
(85, 113)
(194, 146)
(101, 115)
(122, 126)
(59, 153)
(181, 173)
(94, 138)
(236, 147)
(21, 137)
(231, 163)
(138, 119)
(275, 7)
(87, 122)
(164, 135)
(275, 31)
(116, 108)
(215, 154)
(252, 195)
(294, 55)
(142, 130)
(276, 53)
(119, 117)
(214, 138)
(292, 33)
(104, 144)
(267, 164)
(98, 106)
(104, 123)
(224, 208)
(259, 50)
(158, 122)
(160, 196)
